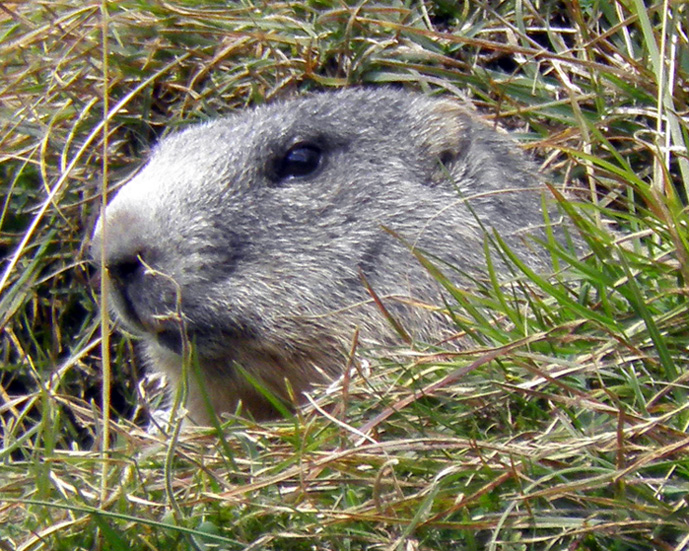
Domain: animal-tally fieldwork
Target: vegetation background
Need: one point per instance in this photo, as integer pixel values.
(564, 427)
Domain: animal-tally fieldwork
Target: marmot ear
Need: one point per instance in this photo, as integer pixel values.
(445, 138)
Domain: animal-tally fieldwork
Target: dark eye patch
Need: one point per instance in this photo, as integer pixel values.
(300, 160)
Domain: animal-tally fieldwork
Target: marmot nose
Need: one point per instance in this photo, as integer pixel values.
(126, 270)
(122, 235)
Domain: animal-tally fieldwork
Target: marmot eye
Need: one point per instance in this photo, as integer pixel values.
(301, 160)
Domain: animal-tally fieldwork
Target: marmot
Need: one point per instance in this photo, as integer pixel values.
(250, 236)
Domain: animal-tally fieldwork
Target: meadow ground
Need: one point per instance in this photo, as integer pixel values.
(564, 426)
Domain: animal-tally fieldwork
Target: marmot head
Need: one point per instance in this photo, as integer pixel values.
(248, 236)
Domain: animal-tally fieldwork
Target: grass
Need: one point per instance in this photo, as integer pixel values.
(563, 427)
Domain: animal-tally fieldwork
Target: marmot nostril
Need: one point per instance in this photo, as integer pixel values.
(126, 271)
(259, 226)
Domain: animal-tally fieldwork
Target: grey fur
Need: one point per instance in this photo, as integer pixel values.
(268, 269)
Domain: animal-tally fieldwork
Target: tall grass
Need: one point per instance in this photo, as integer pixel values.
(563, 427)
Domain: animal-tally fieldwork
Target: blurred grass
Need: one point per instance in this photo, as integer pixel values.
(564, 428)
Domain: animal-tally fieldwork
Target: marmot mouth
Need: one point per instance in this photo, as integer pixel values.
(126, 312)
(161, 328)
